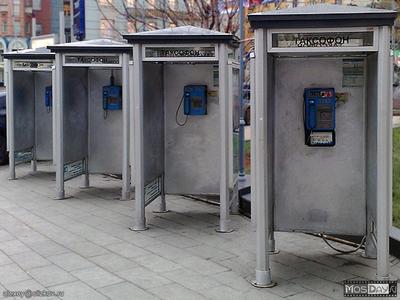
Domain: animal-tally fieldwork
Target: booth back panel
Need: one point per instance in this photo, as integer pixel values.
(105, 130)
(43, 118)
(75, 114)
(24, 110)
(153, 120)
(372, 72)
(318, 189)
(192, 152)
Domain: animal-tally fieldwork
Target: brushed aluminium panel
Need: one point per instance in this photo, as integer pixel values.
(75, 114)
(318, 189)
(43, 118)
(105, 134)
(192, 152)
(24, 110)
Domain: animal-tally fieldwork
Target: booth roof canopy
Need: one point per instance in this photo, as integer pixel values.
(39, 53)
(323, 15)
(182, 34)
(96, 46)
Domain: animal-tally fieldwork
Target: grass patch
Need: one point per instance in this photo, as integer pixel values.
(396, 177)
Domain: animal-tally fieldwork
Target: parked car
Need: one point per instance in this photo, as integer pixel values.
(3, 136)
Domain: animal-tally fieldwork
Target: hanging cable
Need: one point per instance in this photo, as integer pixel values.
(177, 112)
(343, 251)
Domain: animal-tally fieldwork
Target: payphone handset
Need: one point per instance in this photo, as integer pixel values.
(112, 97)
(319, 117)
(194, 102)
(48, 97)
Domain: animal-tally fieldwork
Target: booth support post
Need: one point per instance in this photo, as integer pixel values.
(224, 225)
(253, 138)
(137, 79)
(131, 124)
(59, 141)
(10, 116)
(263, 273)
(126, 178)
(53, 90)
(384, 148)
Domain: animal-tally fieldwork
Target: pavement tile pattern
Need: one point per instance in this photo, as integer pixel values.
(83, 247)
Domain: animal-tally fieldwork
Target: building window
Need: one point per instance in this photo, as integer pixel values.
(17, 28)
(4, 27)
(39, 29)
(106, 28)
(28, 28)
(37, 4)
(17, 4)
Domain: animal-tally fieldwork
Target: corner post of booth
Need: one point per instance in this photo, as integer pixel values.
(384, 157)
(253, 158)
(131, 124)
(54, 124)
(224, 221)
(137, 97)
(126, 178)
(6, 80)
(262, 272)
(59, 141)
(10, 123)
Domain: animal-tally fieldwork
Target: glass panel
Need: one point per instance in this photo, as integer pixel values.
(323, 39)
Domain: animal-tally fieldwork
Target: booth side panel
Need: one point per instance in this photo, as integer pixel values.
(75, 114)
(371, 140)
(105, 127)
(153, 121)
(43, 118)
(192, 152)
(24, 110)
(318, 189)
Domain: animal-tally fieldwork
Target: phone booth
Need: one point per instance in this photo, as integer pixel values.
(185, 115)
(323, 113)
(29, 107)
(92, 112)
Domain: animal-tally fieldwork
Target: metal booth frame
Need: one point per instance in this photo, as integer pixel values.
(30, 60)
(172, 38)
(319, 19)
(90, 54)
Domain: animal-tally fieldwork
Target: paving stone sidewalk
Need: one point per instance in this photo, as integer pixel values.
(83, 247)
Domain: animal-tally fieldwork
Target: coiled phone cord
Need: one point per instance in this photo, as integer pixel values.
(177, 112)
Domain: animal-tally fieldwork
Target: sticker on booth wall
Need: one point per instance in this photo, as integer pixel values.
(353, 73)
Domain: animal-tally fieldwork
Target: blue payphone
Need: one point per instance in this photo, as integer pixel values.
(194, 102)
(319, 117)
(112, 97)
(195, 97)
(48, 97)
